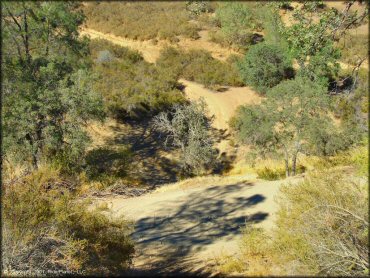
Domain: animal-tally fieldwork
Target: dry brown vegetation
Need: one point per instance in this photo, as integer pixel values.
(321, 229)
(47, 231)
(141, 20)
(199, 66)
(131, 86)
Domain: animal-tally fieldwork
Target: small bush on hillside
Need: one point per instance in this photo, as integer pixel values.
(119, 52)
(199, 66)
(45, 228)
(104, 56)
(235, 20)
(264, 66)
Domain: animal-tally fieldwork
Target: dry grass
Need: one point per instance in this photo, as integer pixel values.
(321, 229)
(141, 20)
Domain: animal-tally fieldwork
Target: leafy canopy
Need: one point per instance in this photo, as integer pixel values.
(285, 121)
(312, 35)
(46, 81)
(264, 66)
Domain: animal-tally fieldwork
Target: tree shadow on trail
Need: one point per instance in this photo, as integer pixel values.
(149, 165)
(215, 213)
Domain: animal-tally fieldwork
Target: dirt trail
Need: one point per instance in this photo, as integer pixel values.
(152, 51)
(221, 105)
(149, 51)
(182, 227)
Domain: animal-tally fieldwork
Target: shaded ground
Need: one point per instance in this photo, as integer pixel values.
(181, 229)
(150, 164)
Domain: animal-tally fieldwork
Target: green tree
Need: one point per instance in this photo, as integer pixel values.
(47, 88)
(264, 66)
(284, 121)
(187, 128)
(312, 36)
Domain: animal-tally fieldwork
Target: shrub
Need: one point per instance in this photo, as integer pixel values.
(104, 56)
(195, 8)
(264, 66)
(187, 127)
(103, 162)
(199, 66)
(47, 229)
(326, 216)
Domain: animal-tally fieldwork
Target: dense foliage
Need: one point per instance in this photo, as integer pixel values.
(292, 119)
(46, 231)
(47, 86)
(141, 20)
(237, 21)
(312, 35)
(265, 66)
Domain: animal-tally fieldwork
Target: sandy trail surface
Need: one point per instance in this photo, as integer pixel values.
(181, 228)
(221, 105)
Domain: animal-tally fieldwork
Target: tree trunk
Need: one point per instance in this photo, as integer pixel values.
(34, 161)
(287, 172)
(294, 163)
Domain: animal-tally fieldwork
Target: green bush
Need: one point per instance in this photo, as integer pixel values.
(196, 8)
(45, 227)
(199, 66)
(264, 66)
